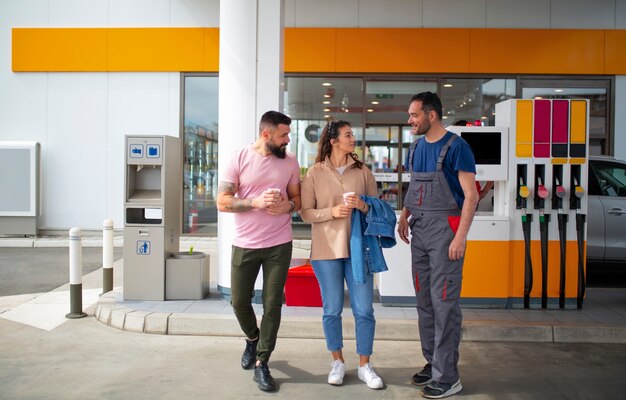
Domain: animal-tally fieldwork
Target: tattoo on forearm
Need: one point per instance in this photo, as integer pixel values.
(239, 205)
(236, 205)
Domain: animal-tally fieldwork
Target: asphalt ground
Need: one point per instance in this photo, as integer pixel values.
(41, 269)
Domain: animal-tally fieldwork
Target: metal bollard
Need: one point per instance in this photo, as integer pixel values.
(76, 275)
(107, 256)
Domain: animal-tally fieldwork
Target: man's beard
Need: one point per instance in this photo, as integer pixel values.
(278, 151)
(423, 128)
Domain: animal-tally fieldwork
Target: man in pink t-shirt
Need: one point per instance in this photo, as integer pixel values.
(261, 185)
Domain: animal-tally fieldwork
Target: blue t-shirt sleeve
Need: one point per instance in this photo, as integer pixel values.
(465, 157)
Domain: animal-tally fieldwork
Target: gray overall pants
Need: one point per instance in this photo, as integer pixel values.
(436, 278)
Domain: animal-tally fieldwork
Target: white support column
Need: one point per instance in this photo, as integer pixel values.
(250, 83)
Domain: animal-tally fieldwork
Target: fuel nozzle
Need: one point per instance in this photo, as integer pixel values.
(560, 190)
(542, 191)
(524, 193)
(578, 192)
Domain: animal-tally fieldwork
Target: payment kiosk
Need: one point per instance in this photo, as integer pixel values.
(528, 250)
(152, 209)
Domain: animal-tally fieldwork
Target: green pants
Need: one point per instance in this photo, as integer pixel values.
(244, 270)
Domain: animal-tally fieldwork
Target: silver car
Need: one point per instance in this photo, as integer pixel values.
(606, 231)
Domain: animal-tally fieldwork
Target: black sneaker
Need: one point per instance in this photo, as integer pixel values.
(436, 390)
(423, 377)
(263, 377)
(249, 354)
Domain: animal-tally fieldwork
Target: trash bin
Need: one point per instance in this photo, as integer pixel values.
(187, 276)
(301, 288)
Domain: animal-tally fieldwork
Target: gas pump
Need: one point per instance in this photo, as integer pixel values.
(541, 193)
(548, 148)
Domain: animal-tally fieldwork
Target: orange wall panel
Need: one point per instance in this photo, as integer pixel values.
(540, 51)
(310, 49)
(486, 277)
(615, 52)
(132, 49)
(211, 51)
(59, 50)
(320, 50)
(400, 50)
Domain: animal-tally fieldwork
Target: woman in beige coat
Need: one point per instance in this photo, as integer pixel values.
(330, 192)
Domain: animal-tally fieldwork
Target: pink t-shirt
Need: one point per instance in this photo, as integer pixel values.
(254, 173)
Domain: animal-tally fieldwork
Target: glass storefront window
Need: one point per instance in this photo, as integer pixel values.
(474, 100)
(312, 102)
(200, 130)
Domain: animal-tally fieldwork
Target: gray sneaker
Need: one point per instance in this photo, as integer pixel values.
(437, 390)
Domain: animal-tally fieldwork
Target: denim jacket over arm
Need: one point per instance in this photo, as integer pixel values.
(370, 234)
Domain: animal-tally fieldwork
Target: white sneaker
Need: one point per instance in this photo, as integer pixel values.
(337, 372)
(369, 376)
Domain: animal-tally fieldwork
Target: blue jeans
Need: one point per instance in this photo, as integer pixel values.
(330, 275)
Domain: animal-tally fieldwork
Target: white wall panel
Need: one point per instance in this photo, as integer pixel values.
(583, 14)
(204, 13)
(138, 104)
(327, 13)
(290, 13)
(144, 13)
(620, 117)
(391, 13)
(75, 168)
(23, 106)
(79, 13)
(620, 14)
(454, 13)
(518, 14)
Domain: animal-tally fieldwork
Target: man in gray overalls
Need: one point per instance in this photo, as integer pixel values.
(440, 201)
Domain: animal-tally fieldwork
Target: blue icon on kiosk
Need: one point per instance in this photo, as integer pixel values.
(136, 150)
(153, 151)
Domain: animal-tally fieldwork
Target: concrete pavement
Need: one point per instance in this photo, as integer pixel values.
(83, 360)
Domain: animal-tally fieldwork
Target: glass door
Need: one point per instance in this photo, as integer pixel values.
(387, 135)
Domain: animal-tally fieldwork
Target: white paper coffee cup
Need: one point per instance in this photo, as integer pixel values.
(345, 197)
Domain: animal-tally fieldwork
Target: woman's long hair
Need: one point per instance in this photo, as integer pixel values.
(324, 147)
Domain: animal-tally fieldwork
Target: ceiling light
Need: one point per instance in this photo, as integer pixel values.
(326, 116)
(447, 85)
(327, 96)
(483, 117)
(375, 102)
(326, 84)
(370, 110)
(327, 110)
(538, 97)
(325, 102)
(445, 117)
(558, 90)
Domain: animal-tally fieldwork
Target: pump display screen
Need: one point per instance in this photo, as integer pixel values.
(486, 146)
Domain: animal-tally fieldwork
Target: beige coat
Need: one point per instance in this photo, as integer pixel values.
(323, 189)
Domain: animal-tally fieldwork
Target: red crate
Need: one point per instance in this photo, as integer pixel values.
(302, 288)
